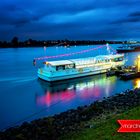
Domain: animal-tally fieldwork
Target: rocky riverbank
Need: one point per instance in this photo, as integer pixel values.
(72, 120)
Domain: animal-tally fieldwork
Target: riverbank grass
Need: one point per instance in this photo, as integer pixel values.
(106, 128)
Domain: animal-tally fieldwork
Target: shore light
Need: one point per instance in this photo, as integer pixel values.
(138, 63)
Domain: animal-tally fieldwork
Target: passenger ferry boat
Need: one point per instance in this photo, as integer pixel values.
(74, 68)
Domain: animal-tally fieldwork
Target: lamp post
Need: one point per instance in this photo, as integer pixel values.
(138, 64)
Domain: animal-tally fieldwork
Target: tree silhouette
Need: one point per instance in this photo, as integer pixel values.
(15, 41)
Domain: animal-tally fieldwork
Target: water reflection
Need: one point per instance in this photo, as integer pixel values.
(93, 87)
(137, 83)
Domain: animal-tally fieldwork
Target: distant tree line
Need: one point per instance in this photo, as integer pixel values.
(15, 43)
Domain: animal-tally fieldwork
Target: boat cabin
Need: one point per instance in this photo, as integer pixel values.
(82, 62)
(60, 65)
(117, 58)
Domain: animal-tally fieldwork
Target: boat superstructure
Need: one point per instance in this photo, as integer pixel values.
(73, 68)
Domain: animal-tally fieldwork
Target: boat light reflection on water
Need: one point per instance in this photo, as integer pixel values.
(93, 88)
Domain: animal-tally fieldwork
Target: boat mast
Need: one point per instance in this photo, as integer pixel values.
(108, 48)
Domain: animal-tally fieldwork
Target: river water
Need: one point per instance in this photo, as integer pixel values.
(23, 97)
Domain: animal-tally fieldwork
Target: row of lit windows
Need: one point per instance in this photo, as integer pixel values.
(91, 65)
(64, 67)
(98, 61)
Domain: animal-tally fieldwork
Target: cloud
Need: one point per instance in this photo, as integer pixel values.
(130, 18)
(74, 19)
(135, 14)
(126, 20)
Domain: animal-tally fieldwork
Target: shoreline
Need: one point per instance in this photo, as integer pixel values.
(75, 119)
(39, 46)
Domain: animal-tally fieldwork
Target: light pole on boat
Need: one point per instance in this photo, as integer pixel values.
(108, 48)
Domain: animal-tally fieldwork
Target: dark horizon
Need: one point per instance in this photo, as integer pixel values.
(64, 39)
(74, 20)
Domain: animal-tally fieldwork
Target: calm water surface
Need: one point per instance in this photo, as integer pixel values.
(23, 97)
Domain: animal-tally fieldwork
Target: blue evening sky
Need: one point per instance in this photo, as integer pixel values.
(71, 19)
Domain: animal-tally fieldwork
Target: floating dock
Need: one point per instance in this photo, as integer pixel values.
(127, 73)
(128, 76)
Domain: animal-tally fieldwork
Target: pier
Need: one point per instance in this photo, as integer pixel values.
(128, 76)
(127, 72)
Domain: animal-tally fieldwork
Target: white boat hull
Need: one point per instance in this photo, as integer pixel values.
(70, 76)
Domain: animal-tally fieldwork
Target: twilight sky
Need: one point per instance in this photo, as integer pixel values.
(71, 19)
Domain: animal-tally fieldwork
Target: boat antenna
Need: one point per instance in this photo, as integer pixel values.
(108, 48)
